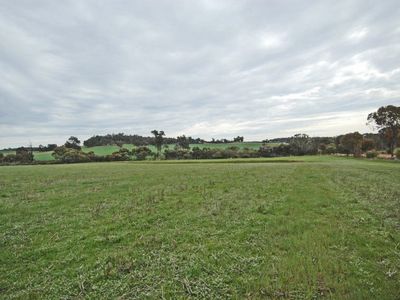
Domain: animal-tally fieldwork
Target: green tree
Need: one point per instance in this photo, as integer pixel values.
(158, 140)
(73, 143)
(121, 154)
(351, 143)
(24, 155)
(387, 119)
(367, 144)
(141, 152)
(302, 144)
(238, 139)
(69, 155)
(182, 142)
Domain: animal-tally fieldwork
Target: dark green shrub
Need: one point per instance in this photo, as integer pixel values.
(142, 152)
(371, 154)
(70, 155)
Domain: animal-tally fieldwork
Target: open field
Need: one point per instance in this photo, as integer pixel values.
(321, 226)
(105, 150)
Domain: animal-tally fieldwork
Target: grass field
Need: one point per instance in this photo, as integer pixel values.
(105, 150)
(321, 226)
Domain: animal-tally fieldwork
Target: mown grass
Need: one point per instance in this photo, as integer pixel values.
(317, 227)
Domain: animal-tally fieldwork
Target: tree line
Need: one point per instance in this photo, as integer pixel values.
(386, 119)
(120, 139)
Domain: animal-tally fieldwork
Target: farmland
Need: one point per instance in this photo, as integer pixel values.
(106, 150)
(301, 227)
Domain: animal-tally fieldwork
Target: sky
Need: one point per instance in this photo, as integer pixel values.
(203, 68)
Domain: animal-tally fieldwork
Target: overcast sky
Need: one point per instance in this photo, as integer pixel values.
(211, 68)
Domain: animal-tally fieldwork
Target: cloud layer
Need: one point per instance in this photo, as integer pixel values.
(206, 68)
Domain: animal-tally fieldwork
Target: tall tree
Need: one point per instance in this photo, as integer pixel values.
(387, 119)
(182, 142)
(352, 142)
(24, 154)
(73, 143)
(158, 139)
(302, 144)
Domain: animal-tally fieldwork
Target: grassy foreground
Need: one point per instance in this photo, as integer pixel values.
(318, 227)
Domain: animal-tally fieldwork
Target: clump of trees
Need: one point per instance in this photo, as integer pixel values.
(22, 156)
(137, 140)
(49, 147)
(142, 153)
(387, 120)
(70, 155)
(73, 143)
(182, 142)
(71, 152)
(351, 143)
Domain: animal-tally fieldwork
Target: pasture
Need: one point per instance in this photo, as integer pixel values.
(254, 228)
(106, 150)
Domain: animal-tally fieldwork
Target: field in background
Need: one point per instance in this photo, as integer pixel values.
(321, 226)
(106, 150)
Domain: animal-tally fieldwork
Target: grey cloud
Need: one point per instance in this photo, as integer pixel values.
(207, 68)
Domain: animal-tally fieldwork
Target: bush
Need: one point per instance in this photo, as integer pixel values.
(398, 153)
(142, 152)
(70, 155)
(121, 155)
(371, 154)
(177, 153)
(24, 155)
(281, 150)
(330, 150)
(10, 158)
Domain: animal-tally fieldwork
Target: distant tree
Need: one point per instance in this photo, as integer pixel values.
(322, 147)
(158, 139)
(51, 147)
(387, 118)
(182, 142)
(121, 154)
(238, 139)
(141, 153)
(70, 155)
(24, 155)
(367, 144)
(73, 143)
(10, 158)
(115, 139)
(302, 144)
(281, 150)
(351, 143)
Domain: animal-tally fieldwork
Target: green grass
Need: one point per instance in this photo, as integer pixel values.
(321, 226)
